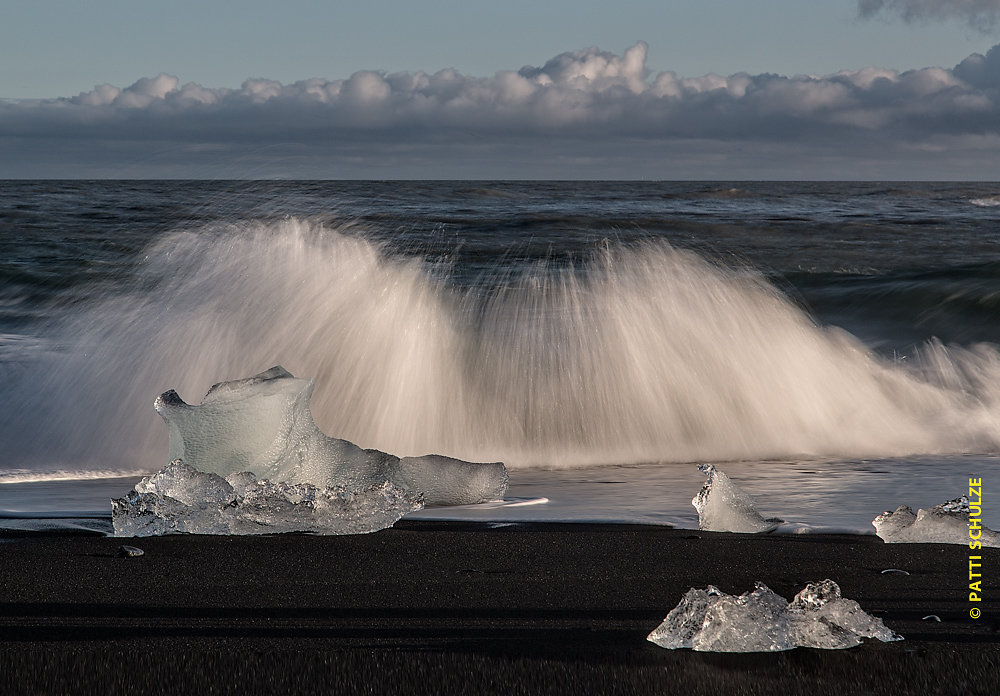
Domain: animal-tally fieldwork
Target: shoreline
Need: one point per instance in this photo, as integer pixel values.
(474, 608)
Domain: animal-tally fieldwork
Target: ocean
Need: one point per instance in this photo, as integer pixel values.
(830, 346)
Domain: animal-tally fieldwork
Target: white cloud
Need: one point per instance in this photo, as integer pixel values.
(594, 69)
(577, 104)
(981, 14)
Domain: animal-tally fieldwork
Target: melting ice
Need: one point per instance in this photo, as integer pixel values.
(250, 460)
(762, 621)
(724, 507)
(263, 424)
(180, 499)
(947, 523)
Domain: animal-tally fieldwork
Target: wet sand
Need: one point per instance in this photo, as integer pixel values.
(448, 608)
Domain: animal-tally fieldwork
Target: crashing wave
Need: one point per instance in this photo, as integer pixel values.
(947, 523)
(263, 425)
(640, 354)
(762, 621)
(990, 202)
(182, 500)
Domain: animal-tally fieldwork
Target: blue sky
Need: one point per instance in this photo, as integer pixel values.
(833, 89)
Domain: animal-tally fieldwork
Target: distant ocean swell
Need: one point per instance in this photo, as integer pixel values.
(956, 304)
(991, 202)
(642, 353)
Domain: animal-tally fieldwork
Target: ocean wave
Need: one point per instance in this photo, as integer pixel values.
(14, 476)
(990, 202)
(643, 353)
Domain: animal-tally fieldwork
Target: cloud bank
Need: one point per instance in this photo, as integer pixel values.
(980, 14)
(586, 113)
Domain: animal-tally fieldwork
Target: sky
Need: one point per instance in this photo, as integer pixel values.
(690, 89)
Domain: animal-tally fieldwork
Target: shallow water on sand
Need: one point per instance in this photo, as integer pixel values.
(810, 496)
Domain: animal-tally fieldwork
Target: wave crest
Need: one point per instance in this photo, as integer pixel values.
(645, 353)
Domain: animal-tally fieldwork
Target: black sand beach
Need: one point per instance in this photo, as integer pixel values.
(461, 608)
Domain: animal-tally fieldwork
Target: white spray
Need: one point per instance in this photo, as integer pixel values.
(645, 354)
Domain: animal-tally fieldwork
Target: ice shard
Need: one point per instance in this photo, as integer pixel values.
(182, 500)
(724, 507)
(762, 621)
(947, 523)
(263, 425)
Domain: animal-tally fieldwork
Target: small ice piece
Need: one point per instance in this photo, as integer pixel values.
(723, 507)
(130, 552)
(263, 425)
(947, 523)
(895, 571)
(762, 621)
(932, 617)
(182, 500)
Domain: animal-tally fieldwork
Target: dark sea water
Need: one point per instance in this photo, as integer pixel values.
(832, 344)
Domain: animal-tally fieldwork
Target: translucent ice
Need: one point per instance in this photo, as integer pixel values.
(180, 499)
(723, 507)
(753, 622)
(263, 425)
(947, 523)
(762, 621)
(821, 618)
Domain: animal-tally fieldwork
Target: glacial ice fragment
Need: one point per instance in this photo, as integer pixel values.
(723, 507)
(762, 621)
(684, 621)
(262, 424)
(182, 500)
(752, 622)
(947, 523)
(821, 618)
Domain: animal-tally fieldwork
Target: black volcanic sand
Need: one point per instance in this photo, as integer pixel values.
(455, 608)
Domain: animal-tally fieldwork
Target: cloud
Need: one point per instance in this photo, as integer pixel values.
(980, 14)
(587, 106)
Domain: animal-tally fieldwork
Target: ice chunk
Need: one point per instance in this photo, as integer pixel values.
(180, 499)
(723, 507)
(821, 618)
(762, 621)
(753, 622)
(263, 425)
(685, 620)
(947, 523)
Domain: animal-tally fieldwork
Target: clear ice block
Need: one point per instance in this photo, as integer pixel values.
(263, 425)
(762, 621)
(724, 507)
(182, 500)
(947, 523)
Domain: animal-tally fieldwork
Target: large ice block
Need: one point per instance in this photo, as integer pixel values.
(263, 425)
(724, 507)
(180, 499)
(947, 523)
(762, 621)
